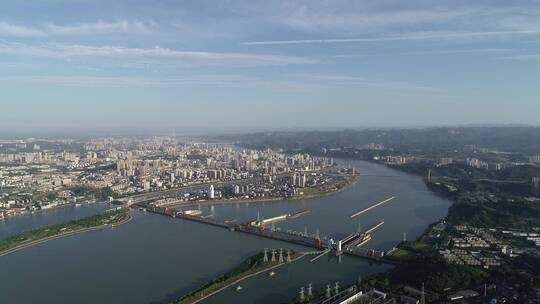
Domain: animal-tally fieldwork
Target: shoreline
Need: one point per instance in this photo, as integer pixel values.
(244, 277)
(351, 182)
(61, 235)
(63, 206)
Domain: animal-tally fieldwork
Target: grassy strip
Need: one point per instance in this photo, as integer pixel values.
(35, 236)
(251, 265)
(411, 250)
(311, 191)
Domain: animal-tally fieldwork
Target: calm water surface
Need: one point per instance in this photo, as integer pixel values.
(18, 224)
(154, 259)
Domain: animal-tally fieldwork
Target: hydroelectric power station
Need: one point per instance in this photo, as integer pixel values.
(348, 245)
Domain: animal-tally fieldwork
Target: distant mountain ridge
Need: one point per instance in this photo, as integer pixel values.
(525, 139)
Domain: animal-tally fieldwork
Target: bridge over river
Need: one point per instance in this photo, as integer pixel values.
(348, 245)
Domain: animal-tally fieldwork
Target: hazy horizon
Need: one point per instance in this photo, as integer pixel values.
(194, 132)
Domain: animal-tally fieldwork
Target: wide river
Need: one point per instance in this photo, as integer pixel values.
(154, 259)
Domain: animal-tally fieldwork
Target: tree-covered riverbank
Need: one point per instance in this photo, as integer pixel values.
(29, 238)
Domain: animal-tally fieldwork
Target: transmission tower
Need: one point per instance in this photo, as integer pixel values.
(280, 255)
(273, 255)
(288, 256)
(328, 292)
(265, 259)
(423, 295)
(310, 290)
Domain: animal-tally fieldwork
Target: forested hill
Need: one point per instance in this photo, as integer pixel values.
(509, 139)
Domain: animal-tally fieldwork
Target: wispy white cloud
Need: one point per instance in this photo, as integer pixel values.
(11, 30)
(402, 37)
(524, 57)
(291, 82)
(82, 81)
(155, 54)
(17, 65)
(121, 26)
(94, 28)
(215, 81)
(347, 80)
(430, 52)
(462, 51)
(316, 19)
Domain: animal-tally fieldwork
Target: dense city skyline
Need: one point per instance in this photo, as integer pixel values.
(170, 66)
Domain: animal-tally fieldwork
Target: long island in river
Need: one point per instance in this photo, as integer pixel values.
(158, 259)
(30, 238)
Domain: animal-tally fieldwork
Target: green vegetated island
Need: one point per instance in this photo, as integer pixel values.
(29, 238)
(253, 265)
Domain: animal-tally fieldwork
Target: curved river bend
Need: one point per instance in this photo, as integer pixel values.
(154, 259)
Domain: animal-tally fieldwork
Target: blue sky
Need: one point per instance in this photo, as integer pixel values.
(178, 65)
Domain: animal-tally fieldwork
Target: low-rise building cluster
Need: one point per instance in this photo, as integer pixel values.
(468, 245)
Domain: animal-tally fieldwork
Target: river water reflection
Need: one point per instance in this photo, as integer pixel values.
(154, 259)
(17, 224)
